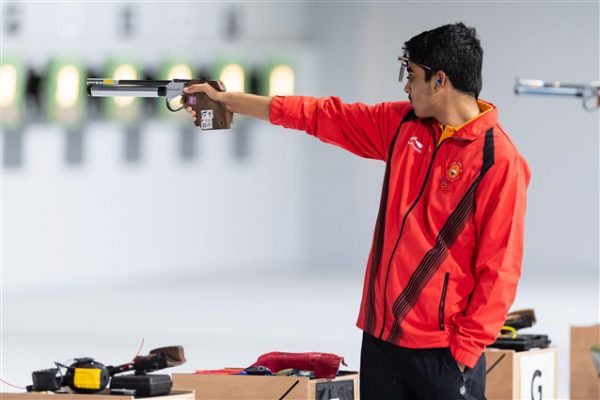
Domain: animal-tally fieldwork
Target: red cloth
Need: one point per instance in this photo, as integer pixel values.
(324, 365)
(448, 244)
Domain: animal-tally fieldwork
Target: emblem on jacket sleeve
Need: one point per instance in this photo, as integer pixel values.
(452, 174)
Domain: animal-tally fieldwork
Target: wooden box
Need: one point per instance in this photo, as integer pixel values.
(520, 375)
(247, 387)
(585, 383)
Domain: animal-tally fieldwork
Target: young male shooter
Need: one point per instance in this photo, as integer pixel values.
(448, 242)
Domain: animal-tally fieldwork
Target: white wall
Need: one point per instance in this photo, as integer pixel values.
(67, 224)
(238, 258)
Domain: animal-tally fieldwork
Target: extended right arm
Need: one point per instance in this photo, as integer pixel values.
(362, 129)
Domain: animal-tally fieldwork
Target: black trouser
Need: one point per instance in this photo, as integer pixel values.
(389, 372)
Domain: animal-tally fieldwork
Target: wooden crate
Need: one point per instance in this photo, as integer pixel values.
(585, 383)
(247, 387)
(520, 375)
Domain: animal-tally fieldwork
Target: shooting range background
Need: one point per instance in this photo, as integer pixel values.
(235, 257)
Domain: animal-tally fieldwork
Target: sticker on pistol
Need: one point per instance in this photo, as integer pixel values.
(206, 119)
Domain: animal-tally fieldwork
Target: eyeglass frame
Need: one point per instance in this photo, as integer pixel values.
(404, 64)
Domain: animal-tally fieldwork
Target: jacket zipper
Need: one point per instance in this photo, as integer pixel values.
(443, 301)
(387, 273)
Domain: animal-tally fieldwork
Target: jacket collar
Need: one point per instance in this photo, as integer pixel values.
(476, 127)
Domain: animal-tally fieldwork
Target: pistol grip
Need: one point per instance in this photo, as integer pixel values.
(210, 114)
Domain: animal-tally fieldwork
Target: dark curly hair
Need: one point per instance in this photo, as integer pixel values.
(452, 48)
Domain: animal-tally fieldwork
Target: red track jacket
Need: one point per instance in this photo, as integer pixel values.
(448, 243)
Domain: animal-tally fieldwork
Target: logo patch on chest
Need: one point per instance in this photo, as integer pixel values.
(452, 174)
(415, 144)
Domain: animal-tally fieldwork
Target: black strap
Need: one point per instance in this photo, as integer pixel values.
(488, 151)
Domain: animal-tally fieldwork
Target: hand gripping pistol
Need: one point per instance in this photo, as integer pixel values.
(211, 114)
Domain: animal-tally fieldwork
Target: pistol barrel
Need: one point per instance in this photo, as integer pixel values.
(124, 91)
(132, 88)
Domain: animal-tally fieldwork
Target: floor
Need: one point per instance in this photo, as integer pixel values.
(226, 319)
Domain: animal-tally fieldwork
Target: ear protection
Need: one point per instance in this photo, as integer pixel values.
(438, 82)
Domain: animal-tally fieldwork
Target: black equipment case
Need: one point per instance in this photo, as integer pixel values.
(144, 385)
